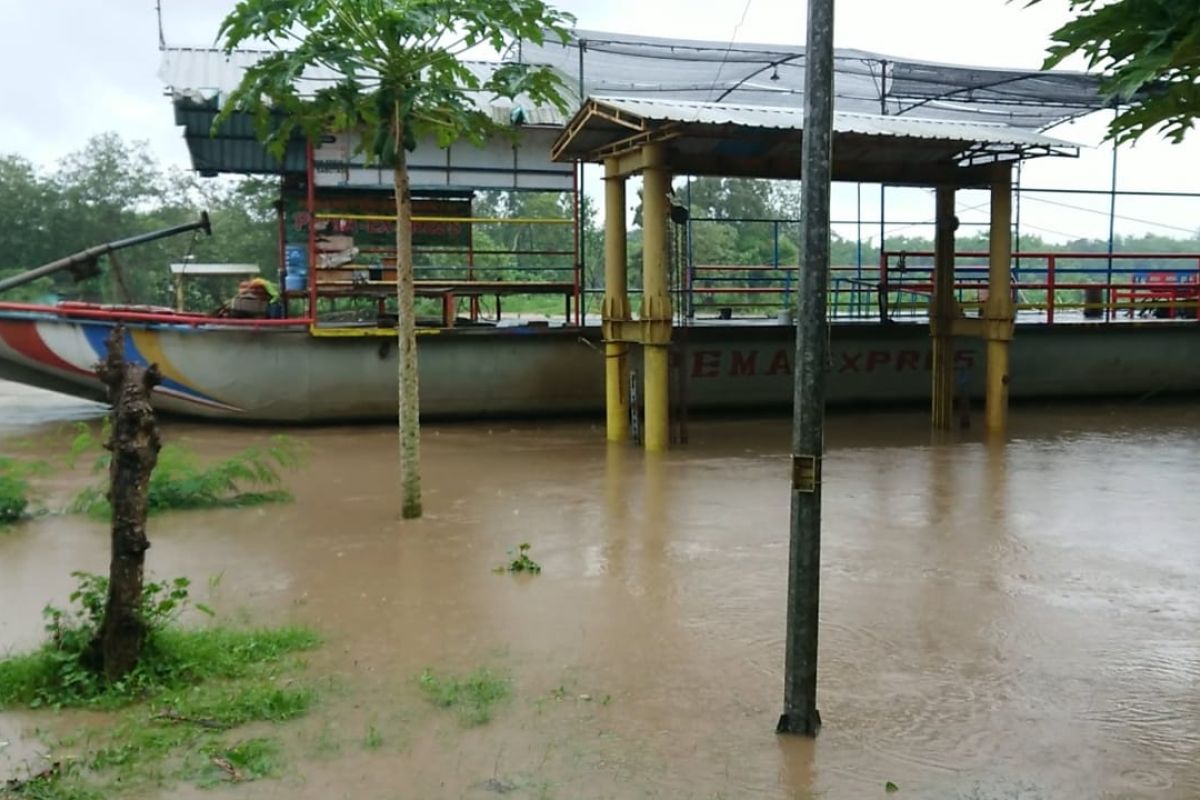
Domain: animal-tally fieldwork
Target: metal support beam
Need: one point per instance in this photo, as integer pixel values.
(656, 299)
(998, 310)
(943, 310)
(812, 354)
(615, 311)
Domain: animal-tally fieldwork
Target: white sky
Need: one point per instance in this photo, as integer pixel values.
(74, 68)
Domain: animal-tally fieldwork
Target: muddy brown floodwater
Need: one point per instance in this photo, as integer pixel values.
(997, 621)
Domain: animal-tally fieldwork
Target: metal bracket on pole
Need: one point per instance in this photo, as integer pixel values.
(635, 420)
(806, 473)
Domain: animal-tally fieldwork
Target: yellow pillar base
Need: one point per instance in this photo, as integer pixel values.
(996, 410)
(943, 383)
(616, 388)
(657, 435)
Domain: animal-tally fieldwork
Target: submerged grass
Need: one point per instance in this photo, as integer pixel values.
(472, 696)
(173, 659)
(60, 783)
(179, 481)
(237, 762)
(209, 682)
(16, 494)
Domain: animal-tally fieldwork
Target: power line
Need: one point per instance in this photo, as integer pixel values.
(732, 39)
(1190, 231)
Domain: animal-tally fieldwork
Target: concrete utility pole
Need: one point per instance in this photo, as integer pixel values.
(808, 426)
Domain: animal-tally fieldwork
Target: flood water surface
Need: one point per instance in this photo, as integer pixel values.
(997, 621)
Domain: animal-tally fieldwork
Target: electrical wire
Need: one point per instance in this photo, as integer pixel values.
(732, 39)
(1164, 225)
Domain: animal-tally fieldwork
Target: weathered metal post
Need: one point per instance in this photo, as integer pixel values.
(943, 311)
(998, 310)
(808, 426)
(615, 311)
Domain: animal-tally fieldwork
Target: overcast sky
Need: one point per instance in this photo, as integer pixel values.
(74, 68)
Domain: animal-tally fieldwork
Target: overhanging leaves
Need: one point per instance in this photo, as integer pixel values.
(352, 64)
(1149, 54)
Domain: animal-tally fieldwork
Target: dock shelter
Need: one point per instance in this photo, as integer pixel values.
(658, 138)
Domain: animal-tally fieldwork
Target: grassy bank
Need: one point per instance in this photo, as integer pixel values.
(180, 716)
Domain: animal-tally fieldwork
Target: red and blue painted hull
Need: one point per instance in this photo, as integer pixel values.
(282, 373)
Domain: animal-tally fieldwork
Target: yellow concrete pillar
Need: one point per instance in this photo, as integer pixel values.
(998, 310)
(942, 310)
(616, 306)
(656, 300)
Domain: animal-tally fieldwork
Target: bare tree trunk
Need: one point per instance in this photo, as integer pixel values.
(134, 445)
(410, 426)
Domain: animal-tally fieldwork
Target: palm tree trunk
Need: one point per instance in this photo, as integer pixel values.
(410, 430)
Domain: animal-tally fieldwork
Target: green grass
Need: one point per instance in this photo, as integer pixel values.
(60, 784)
(373, 739)
(196, 688)
(16, 494)
(239, 762)
(178, 708)
(173, 659)
(231, 704)
(473, 697)
(180, 482)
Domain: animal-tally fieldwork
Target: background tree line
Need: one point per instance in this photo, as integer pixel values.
(112, 189)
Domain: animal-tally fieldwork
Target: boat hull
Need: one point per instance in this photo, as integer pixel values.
(288, 375)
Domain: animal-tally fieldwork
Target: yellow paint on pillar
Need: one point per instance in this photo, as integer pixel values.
(656, 302)
(998, 310)
(996, 412)
(943, 310)
(657, 427)
(616, 390)
(616, 306)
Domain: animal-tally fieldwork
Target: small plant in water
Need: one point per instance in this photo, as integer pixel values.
(374, 739)
(216, 762)
(519, 561)
(472, 696)
(15, 491)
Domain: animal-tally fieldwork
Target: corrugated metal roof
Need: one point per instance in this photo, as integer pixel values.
(202, 75)
(790, 118)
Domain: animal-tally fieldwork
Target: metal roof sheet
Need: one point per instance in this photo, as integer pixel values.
(741, 140)
(791, 118)
(201, 75)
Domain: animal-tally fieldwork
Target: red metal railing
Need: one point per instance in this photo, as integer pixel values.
(1048, 281)
(1150, 287)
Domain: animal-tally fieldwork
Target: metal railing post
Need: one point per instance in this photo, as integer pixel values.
(1051, 267)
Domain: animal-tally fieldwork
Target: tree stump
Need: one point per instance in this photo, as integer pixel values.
(134, 444)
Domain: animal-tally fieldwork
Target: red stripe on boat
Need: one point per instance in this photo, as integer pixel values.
(25, 339)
